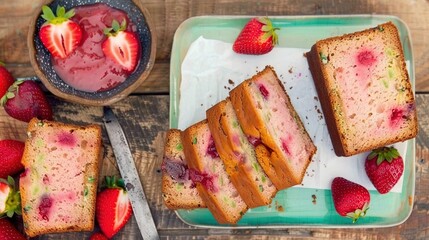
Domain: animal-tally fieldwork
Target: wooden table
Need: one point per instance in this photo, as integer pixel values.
(144, 115)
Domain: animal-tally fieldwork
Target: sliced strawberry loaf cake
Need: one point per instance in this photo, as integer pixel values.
(268, 118)
(59, 185)
(178, 190)
(207, 170)
(364, 89)
(238, 155)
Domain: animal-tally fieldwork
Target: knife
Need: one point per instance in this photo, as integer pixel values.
(130, 176)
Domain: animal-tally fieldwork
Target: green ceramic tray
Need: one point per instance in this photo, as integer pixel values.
(297, 207)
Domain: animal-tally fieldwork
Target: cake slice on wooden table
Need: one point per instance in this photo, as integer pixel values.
(208, 172)
(364, 89)
(238, 155)
(59, 185)
(178, 190)
(269, 120)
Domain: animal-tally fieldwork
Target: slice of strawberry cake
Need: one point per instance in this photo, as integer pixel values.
(207, 170)
(269, 120)
(59, 185)
(238, 155)
(364, 89)
(178, 190)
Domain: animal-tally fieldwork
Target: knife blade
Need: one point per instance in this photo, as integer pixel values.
(130, 175)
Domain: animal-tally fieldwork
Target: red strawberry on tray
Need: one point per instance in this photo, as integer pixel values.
(113, 208)
(11, 154)
(59, 34)
(26, 100)
(384, 166)
(350, 199)
(257, 37)
(121, 45)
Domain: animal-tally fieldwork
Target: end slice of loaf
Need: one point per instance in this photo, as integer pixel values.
(364, 89)
(208, 172)
(59, 185)
(267, 116)
(238, 155)
(178, 190)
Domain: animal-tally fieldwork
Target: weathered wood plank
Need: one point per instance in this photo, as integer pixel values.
(168, 15)
(145, 120)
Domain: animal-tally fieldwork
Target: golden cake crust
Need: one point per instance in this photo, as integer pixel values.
(343, 135)
(242, 177)
(186, 197)
(90, 171)
(275, 166)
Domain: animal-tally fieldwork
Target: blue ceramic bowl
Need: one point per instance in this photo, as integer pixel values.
(40, 57)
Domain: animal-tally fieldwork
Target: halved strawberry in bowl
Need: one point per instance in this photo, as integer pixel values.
(121, 45)
(59, 34)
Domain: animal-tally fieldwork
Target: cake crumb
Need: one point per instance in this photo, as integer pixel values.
(316, 98)
(279, 207)
(314, 197)
(290, 70)
(231, 82)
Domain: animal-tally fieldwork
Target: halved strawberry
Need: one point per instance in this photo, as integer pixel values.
(10, 199)
(121, 45)
(59, 34)
(113, 209)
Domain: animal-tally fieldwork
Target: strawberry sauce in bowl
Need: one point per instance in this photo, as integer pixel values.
(87, 68)
(87, 75)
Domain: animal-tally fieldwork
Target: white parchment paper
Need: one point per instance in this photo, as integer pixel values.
(210, 69)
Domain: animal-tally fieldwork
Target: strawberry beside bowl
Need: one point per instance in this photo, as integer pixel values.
(55, 70)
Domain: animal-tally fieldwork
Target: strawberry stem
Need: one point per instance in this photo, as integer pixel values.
(61, 17)
(115, 28)
(358, 213)
(114, 182)
(13, 201)
(384, 154)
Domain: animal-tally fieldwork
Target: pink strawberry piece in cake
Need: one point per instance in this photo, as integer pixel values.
(364, 89)
(208, 172)
(268, 118)
(239, 157)
(59, 185)
(179, 191)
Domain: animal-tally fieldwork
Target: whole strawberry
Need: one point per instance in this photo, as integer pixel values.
(10, 199)
(384, 166)
(6, 79)
(59, 34)
(26, 100)
(350, 199)
(113, 209)
(10, 157)
(8, 231)
(121, 46)
(257, 37)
